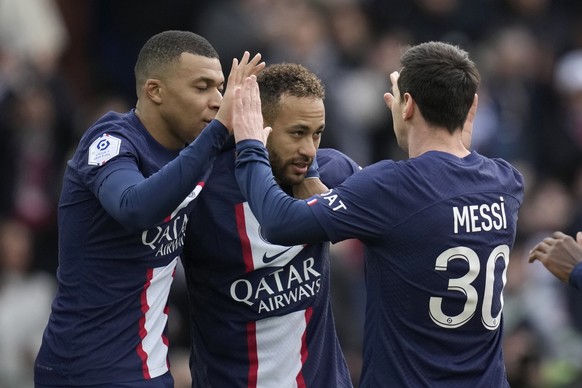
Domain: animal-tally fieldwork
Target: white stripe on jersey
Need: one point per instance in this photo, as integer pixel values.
(154, 344)
(279, 350)
(262, 250)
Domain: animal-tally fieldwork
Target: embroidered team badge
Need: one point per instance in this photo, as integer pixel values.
(102, 149)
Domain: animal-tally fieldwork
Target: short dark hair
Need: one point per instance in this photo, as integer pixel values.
(167, 47)
(442, 80)
(286, 79)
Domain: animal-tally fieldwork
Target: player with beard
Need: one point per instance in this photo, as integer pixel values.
(261, 313)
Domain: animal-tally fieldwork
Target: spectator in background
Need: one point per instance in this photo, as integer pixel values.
(25, 300)
(509, 121)
(364, 135)
(37, 117)
(34, 33)
(566, 135)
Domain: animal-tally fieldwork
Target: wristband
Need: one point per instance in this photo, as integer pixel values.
(313, 171)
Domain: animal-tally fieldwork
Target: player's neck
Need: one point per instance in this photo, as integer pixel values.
(156, 128)
(436, 139)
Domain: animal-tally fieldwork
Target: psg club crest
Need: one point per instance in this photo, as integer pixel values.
(102, 149)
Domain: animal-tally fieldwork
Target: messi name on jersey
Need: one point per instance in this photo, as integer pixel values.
(482, 217)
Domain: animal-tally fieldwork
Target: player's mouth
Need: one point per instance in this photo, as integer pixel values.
(299, 168)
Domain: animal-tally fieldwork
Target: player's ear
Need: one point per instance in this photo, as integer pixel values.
(153, 89)
(408, 106)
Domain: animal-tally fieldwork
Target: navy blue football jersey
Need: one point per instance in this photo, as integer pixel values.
(108, 320)
(260, 313)
(575, 279)
(438, 231)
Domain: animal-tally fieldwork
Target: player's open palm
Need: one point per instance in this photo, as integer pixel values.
(238, 73)
(248, 118)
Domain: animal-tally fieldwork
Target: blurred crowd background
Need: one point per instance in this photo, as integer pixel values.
(63, 63)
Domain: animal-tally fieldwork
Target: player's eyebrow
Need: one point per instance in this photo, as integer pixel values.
(304, 127)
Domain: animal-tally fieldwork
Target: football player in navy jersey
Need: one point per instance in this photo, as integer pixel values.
(261, 313)
(123, 211)
(562, 256)
(437, 227)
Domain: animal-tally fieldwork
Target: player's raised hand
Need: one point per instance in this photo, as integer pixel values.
(389, 97)
(248, 118)
(238, 73)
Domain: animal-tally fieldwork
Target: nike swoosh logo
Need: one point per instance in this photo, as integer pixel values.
(268, 259)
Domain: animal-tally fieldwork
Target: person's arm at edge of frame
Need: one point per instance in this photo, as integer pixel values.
(562, 256)
(284, 220)
(139, 203)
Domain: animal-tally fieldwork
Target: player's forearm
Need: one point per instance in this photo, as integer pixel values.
(284, 220)
(139, 203)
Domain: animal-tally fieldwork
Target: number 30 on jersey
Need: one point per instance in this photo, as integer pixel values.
(464, 285)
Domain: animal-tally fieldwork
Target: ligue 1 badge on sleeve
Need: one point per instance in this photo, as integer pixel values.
(102, 149)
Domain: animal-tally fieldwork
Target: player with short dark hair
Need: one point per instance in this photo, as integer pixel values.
(438, 227)
(261, 313)
(124, 207)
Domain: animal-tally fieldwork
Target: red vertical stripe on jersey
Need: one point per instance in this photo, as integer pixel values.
(249, 267)
(142, 329)
(304, 351)
(244, 238)
(253, 356)
(165, 339)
